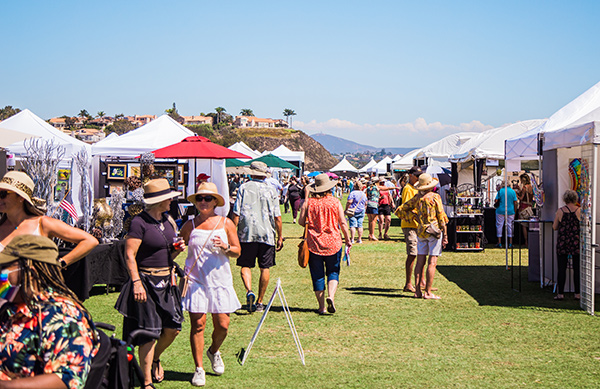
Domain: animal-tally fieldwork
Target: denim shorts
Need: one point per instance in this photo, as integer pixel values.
(356, 221)
(372, 211)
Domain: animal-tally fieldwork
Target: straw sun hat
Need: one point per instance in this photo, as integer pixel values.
(23, 185)
(258, 168)
(322, 184)
(34, 247)
(158, 190)
(207, 188)
(426, 182)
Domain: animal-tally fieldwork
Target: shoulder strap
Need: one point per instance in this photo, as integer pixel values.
(204, 245)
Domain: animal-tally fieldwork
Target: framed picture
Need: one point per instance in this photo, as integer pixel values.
(168, 172)
(116, 171)
(112, 187)
(181, 188)
(61, 189)
(64, 174)
(180, 170)
(133, 169)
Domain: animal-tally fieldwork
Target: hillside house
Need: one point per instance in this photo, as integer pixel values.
(197, 120)
(254, 122)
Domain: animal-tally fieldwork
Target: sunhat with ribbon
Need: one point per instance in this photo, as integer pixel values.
(258, 168)
(426, 182)
(322, 184)
(22, 185)
(34, 247)
(207, 188)
(158, 190)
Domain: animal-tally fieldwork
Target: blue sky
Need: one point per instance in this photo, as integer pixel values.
(383, 73)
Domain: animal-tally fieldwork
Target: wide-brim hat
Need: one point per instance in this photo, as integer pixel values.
(20, 183)
(426, 182)
(158, 190)
(207, 188)
(34, 247)
(258, 168)
(322, 184)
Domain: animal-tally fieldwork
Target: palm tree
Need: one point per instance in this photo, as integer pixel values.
(288, 113)
(219, 111)
(101, 114)
(246, 112)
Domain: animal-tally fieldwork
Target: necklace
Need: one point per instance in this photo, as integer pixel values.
(161, 226)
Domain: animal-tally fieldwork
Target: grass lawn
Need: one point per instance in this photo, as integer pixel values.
(480, 334)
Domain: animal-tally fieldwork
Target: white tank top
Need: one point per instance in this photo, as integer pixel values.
(34, 232)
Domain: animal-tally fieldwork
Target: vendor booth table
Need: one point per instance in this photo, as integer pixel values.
(104, 265)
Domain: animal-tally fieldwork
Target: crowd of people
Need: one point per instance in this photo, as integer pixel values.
(36, 304)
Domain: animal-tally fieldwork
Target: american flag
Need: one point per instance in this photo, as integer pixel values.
(67, 205)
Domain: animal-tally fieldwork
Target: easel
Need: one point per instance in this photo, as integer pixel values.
(288, 315)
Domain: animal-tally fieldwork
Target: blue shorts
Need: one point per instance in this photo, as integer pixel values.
(372, 211)
(356, 221)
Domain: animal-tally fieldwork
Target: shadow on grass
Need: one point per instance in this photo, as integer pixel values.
(491, 285)
(379, 292)
(274, 308)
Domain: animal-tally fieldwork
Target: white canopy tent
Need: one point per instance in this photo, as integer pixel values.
(381, 167)
(243, 148)
(28, 122)
(369, 165)
(406, 162)
(490, 144)
(396, 158)
(294, 157)
(344, 166)
(442, 149)
(583, 109)
(160, 132)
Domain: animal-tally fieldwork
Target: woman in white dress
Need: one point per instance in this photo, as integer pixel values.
(212, 240)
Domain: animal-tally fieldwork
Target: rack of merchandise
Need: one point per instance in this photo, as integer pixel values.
(465, 229)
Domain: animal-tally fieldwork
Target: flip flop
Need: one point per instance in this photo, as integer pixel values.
(330, 305)
(431, 297)
(155, 377)
(409, 290)
(559, 297)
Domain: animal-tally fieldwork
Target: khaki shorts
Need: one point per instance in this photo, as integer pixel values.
(410, 237)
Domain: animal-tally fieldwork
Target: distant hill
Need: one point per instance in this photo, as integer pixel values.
(336, 145)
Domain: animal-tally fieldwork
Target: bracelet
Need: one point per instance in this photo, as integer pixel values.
(133, 282)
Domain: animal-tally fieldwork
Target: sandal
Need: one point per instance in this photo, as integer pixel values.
(409, 290)
(559, 297)
(150, 385)
(155, 376)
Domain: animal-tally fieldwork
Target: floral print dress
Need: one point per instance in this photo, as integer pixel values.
(67, 343)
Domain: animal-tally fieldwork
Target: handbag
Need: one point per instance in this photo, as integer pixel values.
(526, 213)
(433, 230)
(496, 203)
(184, 281)
(350, 211)
(303, 252)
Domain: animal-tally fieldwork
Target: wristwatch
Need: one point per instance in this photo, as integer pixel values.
(62, 263)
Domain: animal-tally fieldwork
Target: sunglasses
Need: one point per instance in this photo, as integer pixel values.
(200, 198)
(4, 193)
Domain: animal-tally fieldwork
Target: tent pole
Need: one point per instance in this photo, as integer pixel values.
(506, 216)
(541, 232)
(592, 297)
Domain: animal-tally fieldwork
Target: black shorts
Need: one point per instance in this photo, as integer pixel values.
(384, 209)
(253, 250)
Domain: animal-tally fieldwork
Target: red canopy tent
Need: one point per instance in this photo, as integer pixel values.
(212, 161)
(197, 147)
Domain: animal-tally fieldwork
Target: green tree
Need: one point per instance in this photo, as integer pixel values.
(246, 112)
(288, 113)
(219, 111)
(70, 122)
(101, 114)
(85, 116)
(8, 111)
(119, 127)
(119, 116)
(172, 112)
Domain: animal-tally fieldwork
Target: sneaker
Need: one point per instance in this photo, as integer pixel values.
(499, 246)
(199, 378)
(216, 362)
(260, 307)
(250, 298)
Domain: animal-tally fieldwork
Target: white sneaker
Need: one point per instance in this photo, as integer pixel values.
(216, 361)
(199, 378)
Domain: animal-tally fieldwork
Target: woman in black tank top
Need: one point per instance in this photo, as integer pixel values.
(566, 222)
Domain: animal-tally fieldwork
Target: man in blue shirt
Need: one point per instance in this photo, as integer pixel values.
(507, 205)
